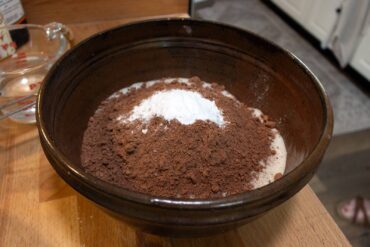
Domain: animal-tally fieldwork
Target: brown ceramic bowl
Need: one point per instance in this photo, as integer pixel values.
(256, 71)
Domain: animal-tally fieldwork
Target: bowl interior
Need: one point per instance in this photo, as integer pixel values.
(255, 71)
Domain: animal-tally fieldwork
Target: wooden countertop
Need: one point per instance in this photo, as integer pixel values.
(38, 209)
(87, 11)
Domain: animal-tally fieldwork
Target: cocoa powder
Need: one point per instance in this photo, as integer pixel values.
(169, 159)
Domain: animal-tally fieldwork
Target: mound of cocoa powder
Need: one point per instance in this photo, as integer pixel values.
(169, 159)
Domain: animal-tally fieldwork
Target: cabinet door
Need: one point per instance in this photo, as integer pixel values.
(297, 9)
(322, 17)
(361, 58)
(316, 16)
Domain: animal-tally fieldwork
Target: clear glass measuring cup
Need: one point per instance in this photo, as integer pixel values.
(22, 72)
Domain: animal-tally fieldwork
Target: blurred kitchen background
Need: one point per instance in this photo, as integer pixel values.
(332, 38)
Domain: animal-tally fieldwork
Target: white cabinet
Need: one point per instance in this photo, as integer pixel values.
(361, 58)
(297, 9)
(316, 16)
(322, 17)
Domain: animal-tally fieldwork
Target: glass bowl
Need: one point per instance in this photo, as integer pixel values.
(21, 73)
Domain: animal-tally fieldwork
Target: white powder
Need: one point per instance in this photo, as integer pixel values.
(168, 81)
(227, 94)
(147, 84)
(126, 90)
(207, 85)
(256, 113)
(182, 105)
(274, 164)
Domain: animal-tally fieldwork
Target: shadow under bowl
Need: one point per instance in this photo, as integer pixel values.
(257, 72)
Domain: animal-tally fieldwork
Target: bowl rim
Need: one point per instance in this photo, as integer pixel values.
(260, 194)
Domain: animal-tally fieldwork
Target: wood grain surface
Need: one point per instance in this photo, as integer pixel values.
(38, 209)
(82, 11)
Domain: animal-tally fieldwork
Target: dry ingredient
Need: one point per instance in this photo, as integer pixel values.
(182, 138)
(183, 105)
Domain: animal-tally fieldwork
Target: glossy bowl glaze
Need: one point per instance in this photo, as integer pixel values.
(256, 71)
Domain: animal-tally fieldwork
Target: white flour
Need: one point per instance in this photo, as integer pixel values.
(182, 105)
(274, 164)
